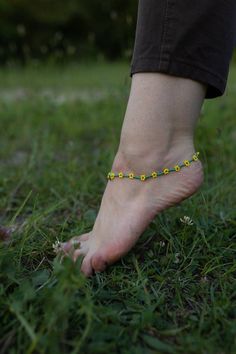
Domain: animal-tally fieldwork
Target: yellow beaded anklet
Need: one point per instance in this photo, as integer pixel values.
(186, 163)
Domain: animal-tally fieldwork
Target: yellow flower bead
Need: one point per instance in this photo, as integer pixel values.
(131, 175)
(108, 176)
(143, 177)
(154, 174)
(166, 171)
(112, 175)
(187, 163)
(120, 174)
(177, 168)
(195, 158)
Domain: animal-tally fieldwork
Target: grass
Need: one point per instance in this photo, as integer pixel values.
(175, 292)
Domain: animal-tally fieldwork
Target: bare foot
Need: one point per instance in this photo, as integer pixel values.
(128, 206)
(157, 133)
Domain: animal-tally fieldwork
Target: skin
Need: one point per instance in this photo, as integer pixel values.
(157, 132)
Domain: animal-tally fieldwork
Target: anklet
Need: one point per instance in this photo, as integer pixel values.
(186, 163)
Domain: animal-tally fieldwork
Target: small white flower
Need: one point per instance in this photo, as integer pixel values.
(186, 220)
(57, 246)
(162, 243)
(204, 279)
(177, 260)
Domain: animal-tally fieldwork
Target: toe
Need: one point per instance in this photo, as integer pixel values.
(86, 266)
(76, 254)
(68, 246)
(83, 250)
(98, 263)
(84, 237)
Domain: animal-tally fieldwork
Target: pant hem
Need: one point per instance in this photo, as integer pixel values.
(177, 67)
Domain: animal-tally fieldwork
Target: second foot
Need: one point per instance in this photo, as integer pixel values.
(127, 208)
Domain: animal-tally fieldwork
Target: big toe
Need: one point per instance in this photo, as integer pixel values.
(86, 266)
(98, 263)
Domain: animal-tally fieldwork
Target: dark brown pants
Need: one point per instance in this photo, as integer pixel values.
(186, 38)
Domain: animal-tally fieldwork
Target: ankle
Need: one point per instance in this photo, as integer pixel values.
(148, 159)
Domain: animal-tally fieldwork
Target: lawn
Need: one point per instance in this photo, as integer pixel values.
(175, 292)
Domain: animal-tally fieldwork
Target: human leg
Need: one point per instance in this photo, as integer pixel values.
(173, 70)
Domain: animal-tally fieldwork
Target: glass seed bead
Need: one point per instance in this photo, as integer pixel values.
(177, 168)
(187, 163)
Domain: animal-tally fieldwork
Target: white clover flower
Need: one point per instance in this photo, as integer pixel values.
(162, 243)
(204, 279)
(57, 246)
(186, 220)
(177, 260)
